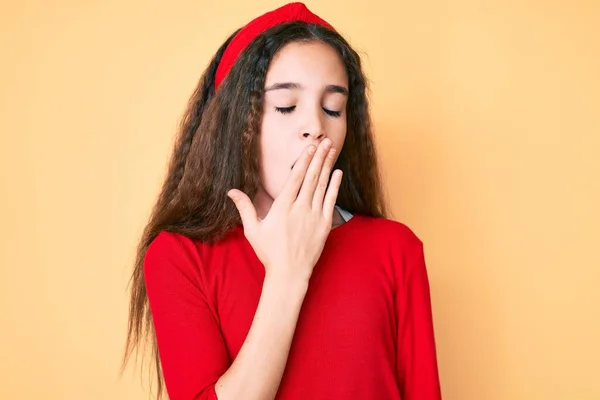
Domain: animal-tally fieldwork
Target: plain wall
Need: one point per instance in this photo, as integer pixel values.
(487, 118)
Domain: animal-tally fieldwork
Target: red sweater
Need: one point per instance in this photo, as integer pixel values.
(364, 332)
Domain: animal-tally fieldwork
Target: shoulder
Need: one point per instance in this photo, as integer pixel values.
(390, 233)
(172, 254)
(392, 242)
(169, 245)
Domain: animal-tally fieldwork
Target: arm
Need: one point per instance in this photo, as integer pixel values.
(288, 242)
(417, 361)
(258, 368)
(193, 355)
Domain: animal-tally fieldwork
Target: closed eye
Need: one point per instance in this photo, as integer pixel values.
(287, 110)
(332, 113)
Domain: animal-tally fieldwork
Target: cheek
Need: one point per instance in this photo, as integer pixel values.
(337, 133)
(273, 157)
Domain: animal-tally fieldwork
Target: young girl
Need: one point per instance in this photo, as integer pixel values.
(262, 273)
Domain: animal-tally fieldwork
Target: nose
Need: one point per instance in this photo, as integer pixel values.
(314, 128)
(314, 137)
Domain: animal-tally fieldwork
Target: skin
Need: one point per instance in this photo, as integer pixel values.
(288, 222)
(296, 116)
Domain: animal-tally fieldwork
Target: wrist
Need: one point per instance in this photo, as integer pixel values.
(287, 284)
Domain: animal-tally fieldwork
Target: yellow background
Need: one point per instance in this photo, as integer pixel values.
(487, 116)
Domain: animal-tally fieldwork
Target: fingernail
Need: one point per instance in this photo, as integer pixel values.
(311, 149)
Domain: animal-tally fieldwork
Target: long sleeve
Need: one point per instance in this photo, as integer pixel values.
(417, 368)
(191, 348)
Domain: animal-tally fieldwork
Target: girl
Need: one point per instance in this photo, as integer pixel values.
(262, 273)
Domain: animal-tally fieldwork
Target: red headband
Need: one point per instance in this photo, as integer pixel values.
(288, 13)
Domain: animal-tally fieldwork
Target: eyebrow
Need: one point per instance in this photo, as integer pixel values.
(297, 86)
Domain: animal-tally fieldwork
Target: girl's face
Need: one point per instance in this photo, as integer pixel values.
(306, 91)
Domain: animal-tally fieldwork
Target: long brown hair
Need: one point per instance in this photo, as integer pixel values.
(216, 151)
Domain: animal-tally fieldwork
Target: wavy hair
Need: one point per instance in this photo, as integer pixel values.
(216, 150)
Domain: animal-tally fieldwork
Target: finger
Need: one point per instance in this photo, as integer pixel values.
(309, 185)
(332, 194)
(324, 180)
(245, 208)
(296, 177)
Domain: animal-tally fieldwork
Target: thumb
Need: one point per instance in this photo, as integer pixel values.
(245, 208)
